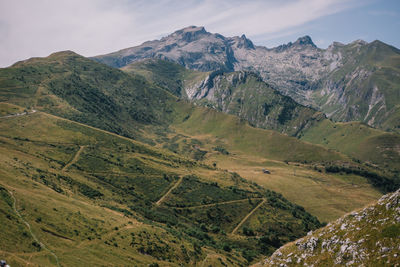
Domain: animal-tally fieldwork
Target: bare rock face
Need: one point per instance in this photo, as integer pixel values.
(369, 237)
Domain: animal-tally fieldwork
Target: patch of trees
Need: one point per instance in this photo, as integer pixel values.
(286, 112)
(385, 184)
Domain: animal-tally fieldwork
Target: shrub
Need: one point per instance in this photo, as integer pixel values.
(221, 150)
(227, 248)
(249, 254)
(248, 231)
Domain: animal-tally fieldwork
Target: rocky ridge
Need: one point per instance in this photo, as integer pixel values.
(195, 48)
(369, 237)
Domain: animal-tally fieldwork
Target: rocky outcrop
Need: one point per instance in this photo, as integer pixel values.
(369, 237)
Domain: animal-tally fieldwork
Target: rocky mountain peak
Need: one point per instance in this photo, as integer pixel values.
(194, 29)
(190, 33)
(305, 40)
(302, 42)
(243, 42)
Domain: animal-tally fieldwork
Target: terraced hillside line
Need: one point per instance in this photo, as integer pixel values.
(218, 203)
(18, 114)
(74, 159)
(87, 126)
(248, 216)
(158, 203)
(30, 229)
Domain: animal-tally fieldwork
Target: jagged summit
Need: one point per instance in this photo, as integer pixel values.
(305, 40)
(301, 42)
(242, 42)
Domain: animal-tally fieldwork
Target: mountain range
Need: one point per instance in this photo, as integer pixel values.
(358, 81)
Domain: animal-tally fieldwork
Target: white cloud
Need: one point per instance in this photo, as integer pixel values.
(37, 28)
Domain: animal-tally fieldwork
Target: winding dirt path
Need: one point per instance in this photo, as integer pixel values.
(248, 216)
(158, 203)
(74, 159)
(216, 204)
(30, 229)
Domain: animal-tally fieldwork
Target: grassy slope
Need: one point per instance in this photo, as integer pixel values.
(241, 136)
(325, 195)
(129, 177)
(358, 141)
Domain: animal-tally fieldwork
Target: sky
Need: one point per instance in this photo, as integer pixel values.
(37, 28)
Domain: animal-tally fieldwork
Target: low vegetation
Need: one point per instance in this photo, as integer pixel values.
(120, 180)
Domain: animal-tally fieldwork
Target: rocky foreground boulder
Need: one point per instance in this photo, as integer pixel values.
(369, 237)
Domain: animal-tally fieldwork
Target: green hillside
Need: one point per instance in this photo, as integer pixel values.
(114, 198)
(74, 87)
(359, 141)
